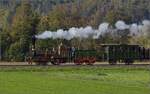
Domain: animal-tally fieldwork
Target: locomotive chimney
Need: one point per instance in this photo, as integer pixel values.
(33, 44)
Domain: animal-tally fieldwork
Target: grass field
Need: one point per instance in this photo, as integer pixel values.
(75, 80)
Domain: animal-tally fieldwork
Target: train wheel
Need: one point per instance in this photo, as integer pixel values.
(112, 62)
(44, 63)
(78, 61)
(91, 61)
(131, 62)
(128, 62)
(37, 63)
(29, 60)
(55, 62)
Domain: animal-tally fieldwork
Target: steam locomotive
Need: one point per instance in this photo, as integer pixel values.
(111, 53)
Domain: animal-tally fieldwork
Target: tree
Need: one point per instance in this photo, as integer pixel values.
(23, 28)
(5, 41)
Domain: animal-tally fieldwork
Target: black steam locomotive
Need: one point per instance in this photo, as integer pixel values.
(111, 53)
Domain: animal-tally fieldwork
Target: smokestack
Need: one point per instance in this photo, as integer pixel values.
(33, 44)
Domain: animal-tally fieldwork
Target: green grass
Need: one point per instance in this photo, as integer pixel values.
(75, 80)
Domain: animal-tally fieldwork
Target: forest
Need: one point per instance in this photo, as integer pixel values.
(21, 19)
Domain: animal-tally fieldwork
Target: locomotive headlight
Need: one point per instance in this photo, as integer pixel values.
(33, 49)
(52, 57)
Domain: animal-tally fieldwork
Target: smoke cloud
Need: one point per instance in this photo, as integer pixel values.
(121, 25)
(88, 32)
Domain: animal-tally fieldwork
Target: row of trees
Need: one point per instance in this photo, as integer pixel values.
(16, 32)
(15, 40)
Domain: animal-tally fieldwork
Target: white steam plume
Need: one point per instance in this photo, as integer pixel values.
(146, 28)
(86, 32)
(134, 30)
(121, 25)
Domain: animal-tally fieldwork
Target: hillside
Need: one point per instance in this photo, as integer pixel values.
(135, 9)
(21, 19)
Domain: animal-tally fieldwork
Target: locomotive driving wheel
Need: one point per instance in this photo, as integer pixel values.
(78, 61)
(55, 62)
(29, 60)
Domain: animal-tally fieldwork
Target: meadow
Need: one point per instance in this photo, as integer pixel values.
(74, 80)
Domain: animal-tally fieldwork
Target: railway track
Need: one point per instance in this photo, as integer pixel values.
(73, 65)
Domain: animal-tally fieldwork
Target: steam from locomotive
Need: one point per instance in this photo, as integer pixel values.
(88, 32)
